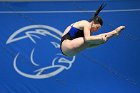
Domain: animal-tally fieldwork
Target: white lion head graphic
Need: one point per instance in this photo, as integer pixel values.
(57, 61)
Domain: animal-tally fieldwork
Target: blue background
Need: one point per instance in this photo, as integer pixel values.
(110, 68)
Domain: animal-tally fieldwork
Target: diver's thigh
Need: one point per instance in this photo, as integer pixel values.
(72, 47)
(74, 44)
(78, 42)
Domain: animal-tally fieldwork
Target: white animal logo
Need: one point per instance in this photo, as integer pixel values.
(32, 32)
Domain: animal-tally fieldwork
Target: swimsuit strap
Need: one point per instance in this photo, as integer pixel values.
(72, 25)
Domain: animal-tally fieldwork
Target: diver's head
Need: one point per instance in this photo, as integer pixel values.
(97, 20)
(96, 23)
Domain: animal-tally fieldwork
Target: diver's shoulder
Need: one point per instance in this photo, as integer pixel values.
(80, 23)
(84, 21)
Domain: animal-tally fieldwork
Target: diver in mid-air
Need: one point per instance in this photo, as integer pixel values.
(78, 36)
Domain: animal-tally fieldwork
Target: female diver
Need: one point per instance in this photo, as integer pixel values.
(78, 36)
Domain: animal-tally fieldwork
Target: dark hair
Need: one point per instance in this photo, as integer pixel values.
(97, 20)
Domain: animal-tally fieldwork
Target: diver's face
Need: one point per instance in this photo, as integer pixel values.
(95, 27)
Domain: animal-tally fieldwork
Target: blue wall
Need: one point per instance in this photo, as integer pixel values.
(31, 61)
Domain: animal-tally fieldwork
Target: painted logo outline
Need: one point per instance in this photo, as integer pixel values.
(43, 30)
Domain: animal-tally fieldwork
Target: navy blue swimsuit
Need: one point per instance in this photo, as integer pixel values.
(72, 34)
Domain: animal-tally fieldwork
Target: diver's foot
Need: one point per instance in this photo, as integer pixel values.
(118, 30)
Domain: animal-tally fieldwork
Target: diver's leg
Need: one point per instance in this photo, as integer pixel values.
(102, 38)
(72, 47)
(114, 32)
